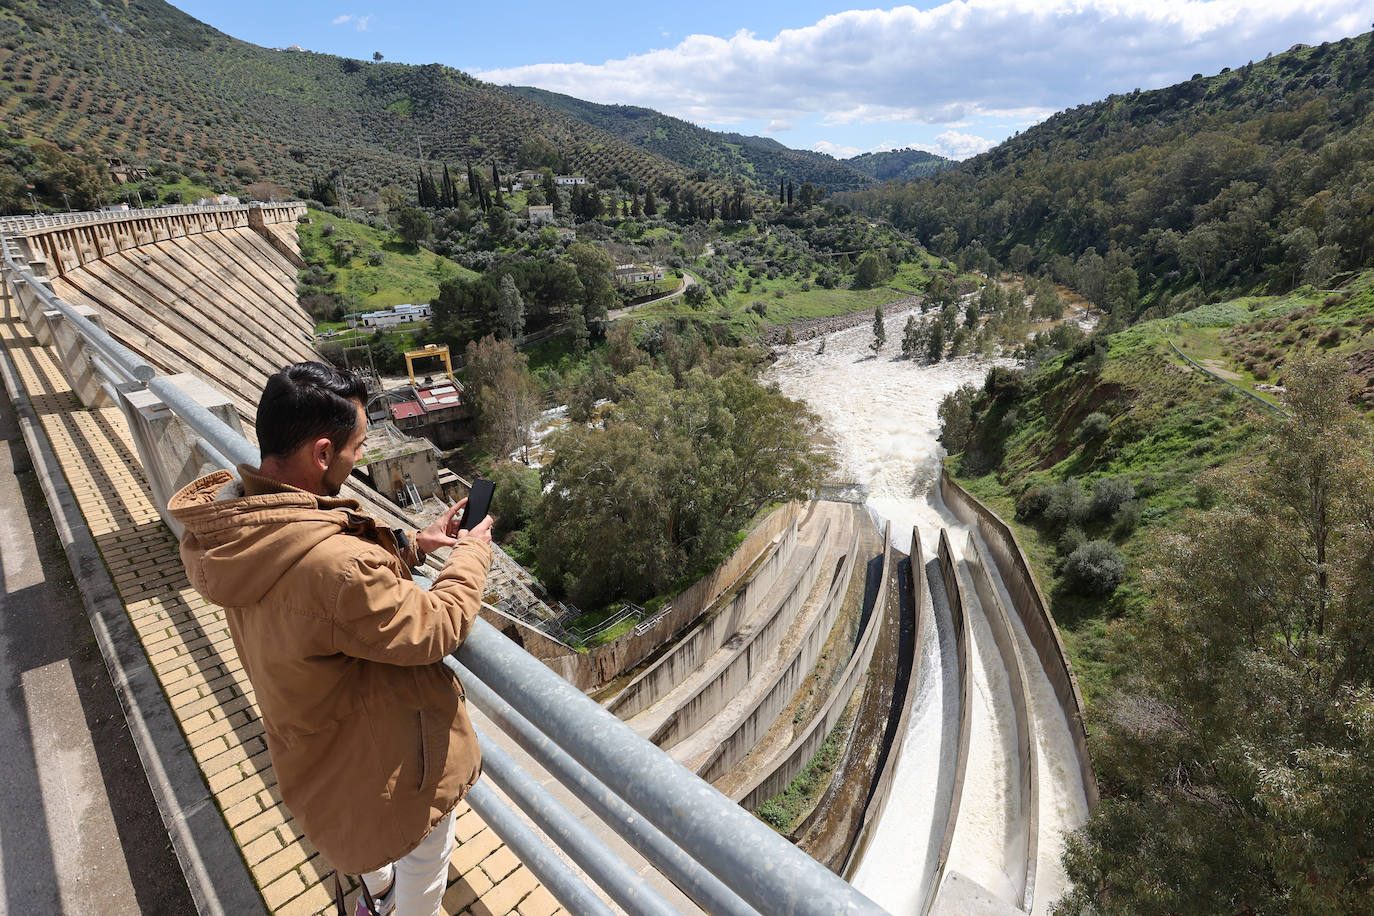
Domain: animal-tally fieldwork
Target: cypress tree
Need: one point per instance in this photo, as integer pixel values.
(782, 190)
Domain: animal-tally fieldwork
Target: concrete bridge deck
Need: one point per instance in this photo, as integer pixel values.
(185, 643)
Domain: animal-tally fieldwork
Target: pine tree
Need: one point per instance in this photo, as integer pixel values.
(510, 310)
(910, 338)
(789, 193)
(879, 331)
(935, 347)
(782, 190)
(472, 182)
(650, 204)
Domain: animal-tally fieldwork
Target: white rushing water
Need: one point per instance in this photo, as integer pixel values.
(882, 414)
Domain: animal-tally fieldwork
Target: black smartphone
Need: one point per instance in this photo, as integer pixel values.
(479, 503)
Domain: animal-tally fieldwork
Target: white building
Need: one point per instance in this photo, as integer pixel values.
(630, 274)
(541, 214)
(568, 180)
(390, 318)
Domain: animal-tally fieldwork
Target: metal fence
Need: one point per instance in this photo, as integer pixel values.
(722, 857)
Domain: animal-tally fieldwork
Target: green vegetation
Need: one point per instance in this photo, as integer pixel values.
(352, 267)
(1149, 203)
(1237, 757)
(754, 161)
(784, 811)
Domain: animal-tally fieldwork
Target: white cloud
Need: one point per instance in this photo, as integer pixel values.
(359, 22)
(839, 152)
(953, 144)
(777, 125)
(957, 63)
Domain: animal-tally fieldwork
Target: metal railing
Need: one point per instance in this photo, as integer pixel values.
(722, 857)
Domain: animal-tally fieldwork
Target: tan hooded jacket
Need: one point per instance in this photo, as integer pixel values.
(367, 730)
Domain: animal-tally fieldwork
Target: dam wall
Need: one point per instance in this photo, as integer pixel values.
(708, 636)
(752, 653)
(1030, 605)
(602, 664)
(185, 288)
(799, 753)
(764, 711)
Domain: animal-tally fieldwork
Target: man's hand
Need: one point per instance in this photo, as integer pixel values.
(437, 534)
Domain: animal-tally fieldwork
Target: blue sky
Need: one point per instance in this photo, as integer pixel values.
(953, 77)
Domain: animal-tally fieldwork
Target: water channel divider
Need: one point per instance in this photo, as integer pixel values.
(882, 785)
(1027, 752)
(753, 651)
(1030, 605)
(963, 641)
(793, 760)
(722, 620)
(764, 711)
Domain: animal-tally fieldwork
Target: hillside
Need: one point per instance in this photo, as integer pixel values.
(898, 164)
(1256, 178)
(757, 161)
(147, 83)
(1109, 436)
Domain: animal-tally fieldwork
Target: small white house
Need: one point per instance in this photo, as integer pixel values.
(541, 214)
(567, 181)
(390, 318)
(630, 274)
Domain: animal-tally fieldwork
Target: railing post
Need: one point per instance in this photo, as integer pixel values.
(71, 349)
(31, 307)
(166, 444)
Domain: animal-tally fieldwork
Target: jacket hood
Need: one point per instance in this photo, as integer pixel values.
(243, 533)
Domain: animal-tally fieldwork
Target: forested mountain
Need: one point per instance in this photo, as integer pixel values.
(758, 161)
(144, 81)
(898, 164)
(1257, 177)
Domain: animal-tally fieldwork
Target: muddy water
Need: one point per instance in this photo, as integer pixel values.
(882, 415)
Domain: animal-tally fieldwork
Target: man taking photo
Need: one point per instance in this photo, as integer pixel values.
(367, 731)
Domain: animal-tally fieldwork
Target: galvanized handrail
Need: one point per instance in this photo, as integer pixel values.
(699, 837)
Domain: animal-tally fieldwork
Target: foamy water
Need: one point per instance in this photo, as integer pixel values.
(883, 416)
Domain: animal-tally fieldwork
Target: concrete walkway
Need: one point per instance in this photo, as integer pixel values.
(79, 818)
(68, 798)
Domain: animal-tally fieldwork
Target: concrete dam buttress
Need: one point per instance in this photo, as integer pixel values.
(817, 627)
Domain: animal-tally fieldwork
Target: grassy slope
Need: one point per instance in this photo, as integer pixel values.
(407, 274)
(1169, 425)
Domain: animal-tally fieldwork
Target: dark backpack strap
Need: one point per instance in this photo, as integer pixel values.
(340, 909)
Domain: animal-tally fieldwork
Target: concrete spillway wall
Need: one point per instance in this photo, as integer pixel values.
(882, 785)
(1030, 605)
(206, 292)
(66, 248)
(963, 644)
(793, 760)
(594, 668)
(753, 651)
(707, 637)
(764, 711)
(1028, 769)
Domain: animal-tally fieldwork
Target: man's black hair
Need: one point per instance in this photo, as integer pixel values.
(303, 402)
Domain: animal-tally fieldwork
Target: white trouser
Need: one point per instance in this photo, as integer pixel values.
(421, 875)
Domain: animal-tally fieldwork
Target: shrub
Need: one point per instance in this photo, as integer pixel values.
(1068, 504)
(518, 493)
(1030, 506)
(1072, 539)
(1094, 569)
(1109, 494)
(1128, 517)
(1094, 424)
